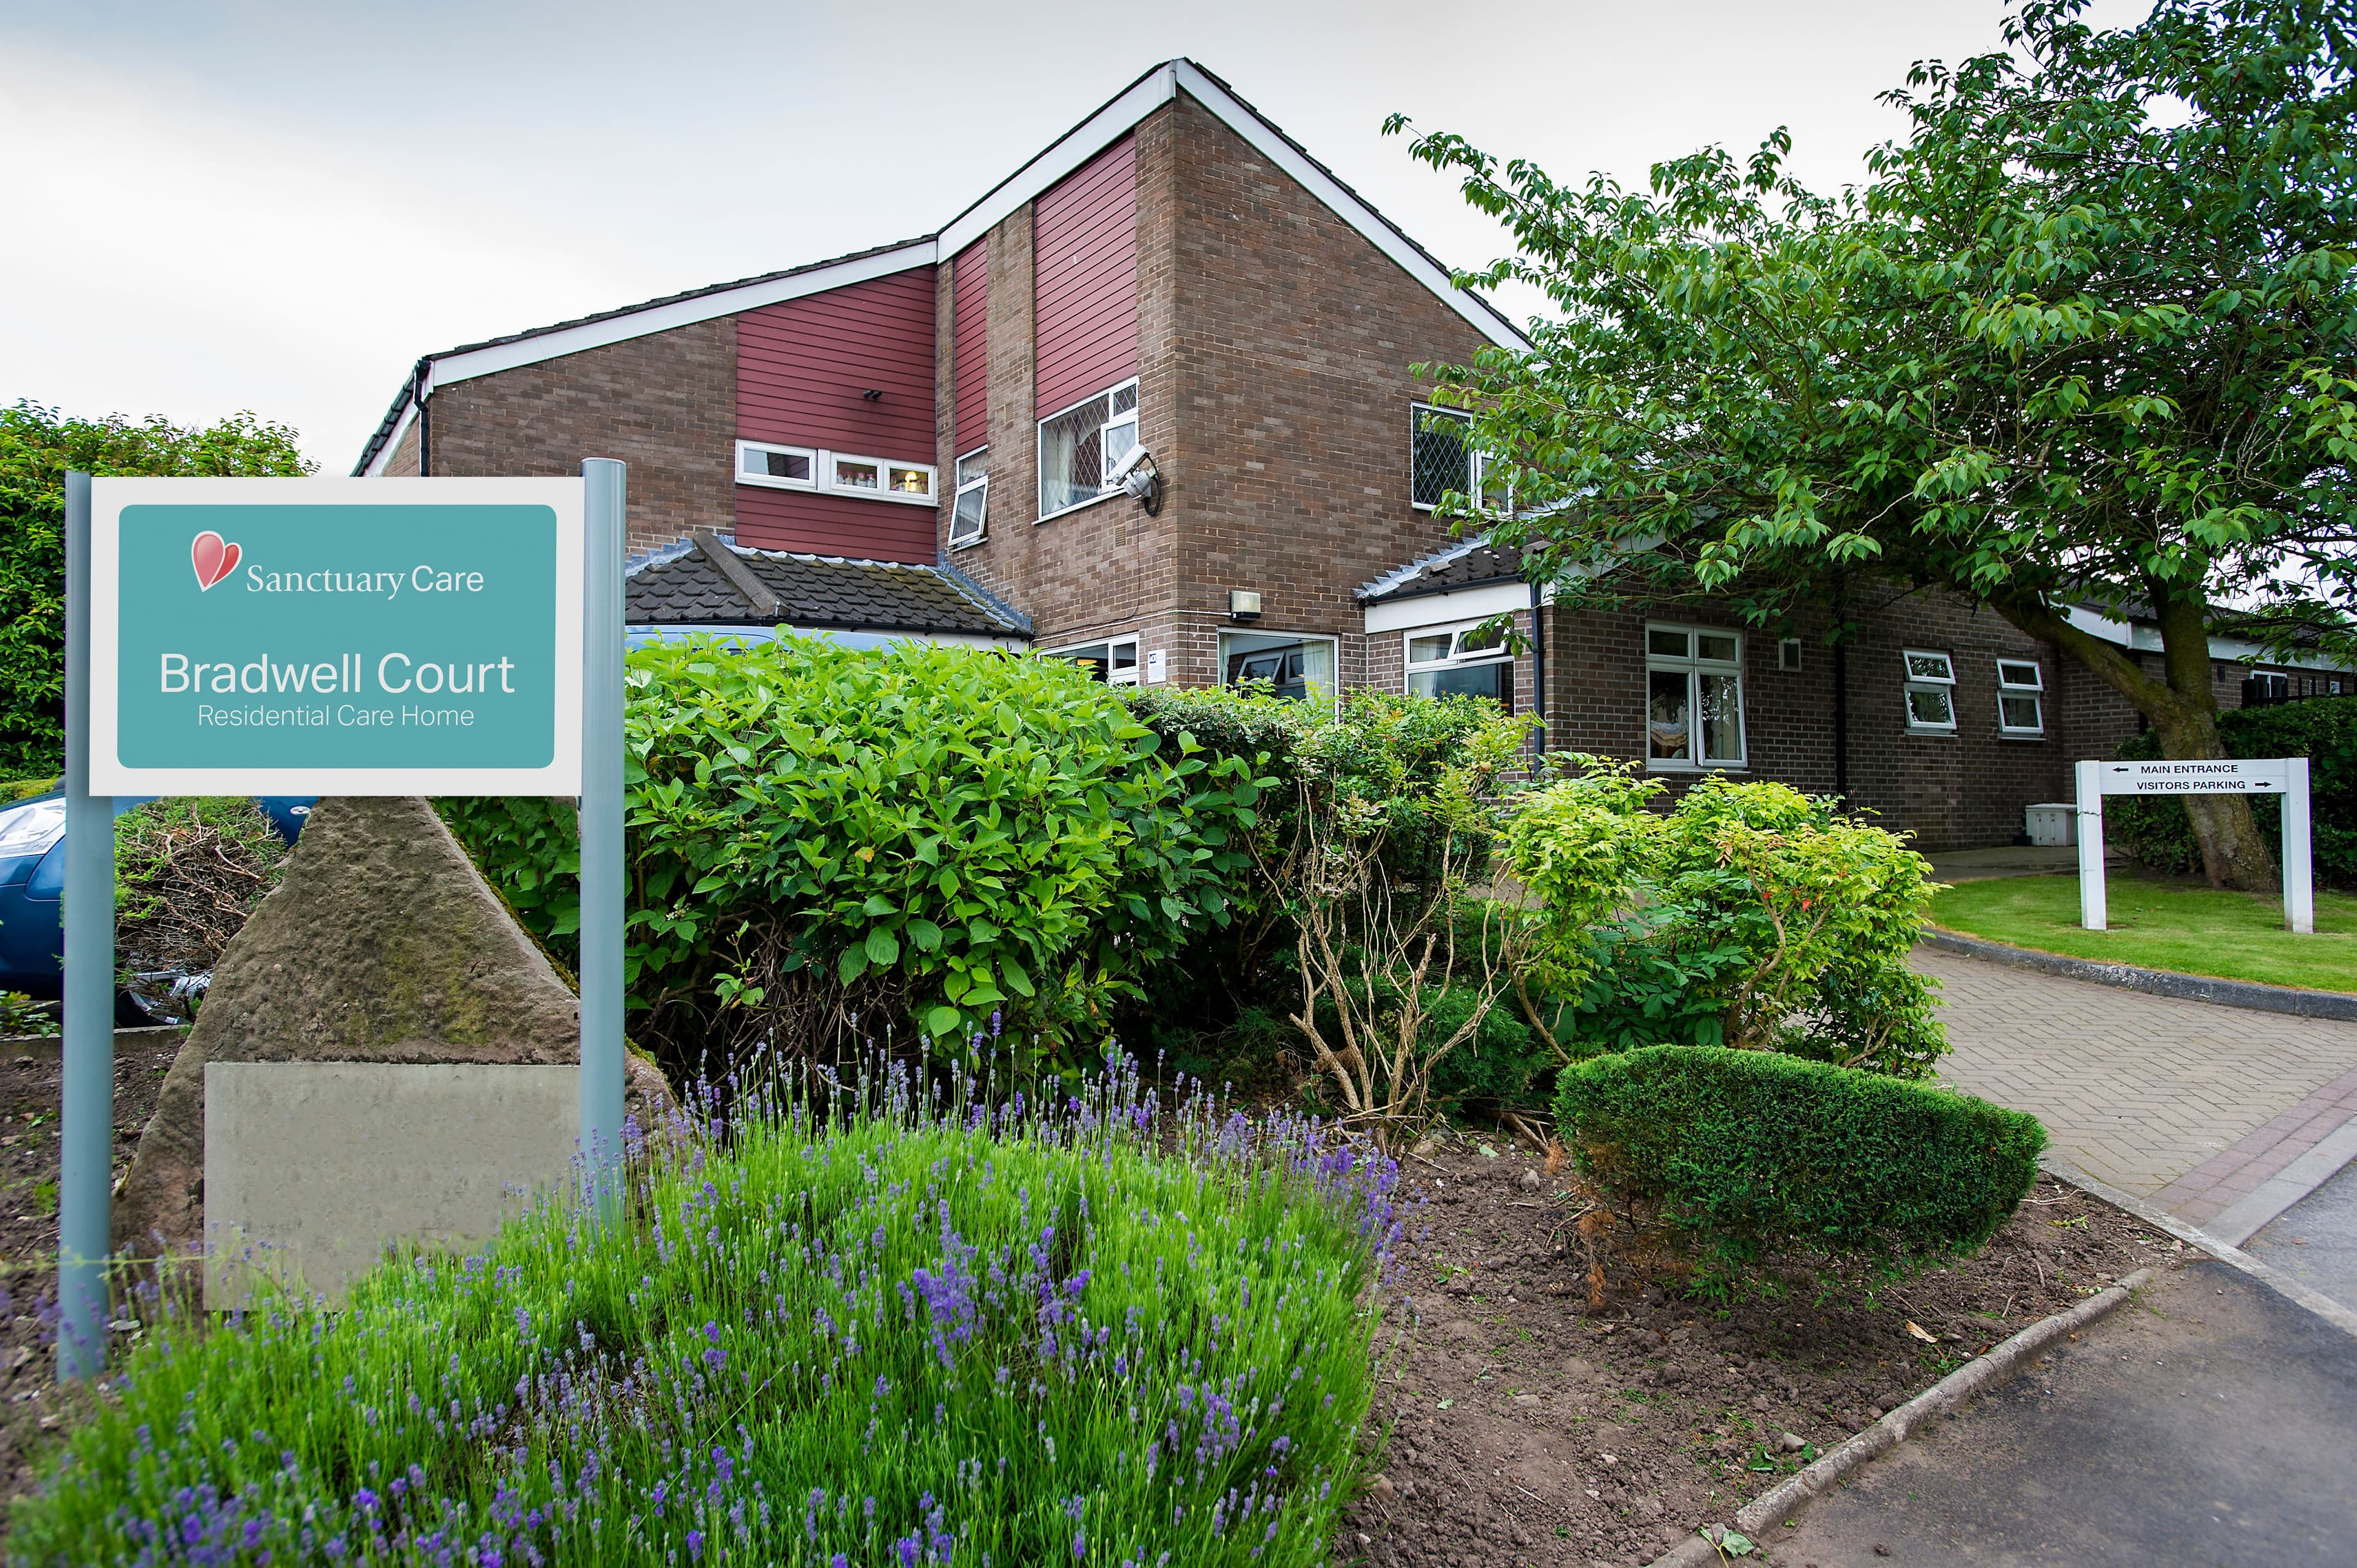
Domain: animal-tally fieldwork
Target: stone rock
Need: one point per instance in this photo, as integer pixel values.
(1528, 1181)
(1791, 1441)
(381, 943)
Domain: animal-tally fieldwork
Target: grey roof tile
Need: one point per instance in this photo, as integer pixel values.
(678, 587)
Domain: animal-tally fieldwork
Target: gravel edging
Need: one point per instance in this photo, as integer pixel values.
(1765, 1510)
(2242, 994)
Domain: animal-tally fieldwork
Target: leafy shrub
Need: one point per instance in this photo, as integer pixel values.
(940, 837)
(36, 446)
(1752, 1152)
(1496, 1057)
(1750, 916)
(870, 1336)
(2155, 830)
(20, 1015)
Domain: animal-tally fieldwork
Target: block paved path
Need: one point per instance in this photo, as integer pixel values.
(2191, 1105)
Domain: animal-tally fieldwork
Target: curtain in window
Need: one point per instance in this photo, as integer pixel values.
(1318, 669)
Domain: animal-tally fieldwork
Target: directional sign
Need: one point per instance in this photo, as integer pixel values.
(2225, 776)
(2285, 778)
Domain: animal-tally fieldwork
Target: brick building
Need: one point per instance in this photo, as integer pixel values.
(1147, 404)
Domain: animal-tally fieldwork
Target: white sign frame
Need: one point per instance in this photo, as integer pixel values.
(2285, 776)
(109, 775)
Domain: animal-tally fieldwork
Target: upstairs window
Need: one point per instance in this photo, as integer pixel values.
(1931, 693)
(838, 472)
(1461, 662)
(1441, 459)
(1693, 698)
(2020, 705)
(1080, 444)
(971, 519)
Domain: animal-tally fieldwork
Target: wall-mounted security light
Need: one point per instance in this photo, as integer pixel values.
(1137, 474)
(1244, 604)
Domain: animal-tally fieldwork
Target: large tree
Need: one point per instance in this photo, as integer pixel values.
(38, 446)
(2087, 335)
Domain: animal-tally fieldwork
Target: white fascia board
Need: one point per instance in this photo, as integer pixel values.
(375, 470)
(497, 357)
(1077, 147)
(641, 634)
(1461, 604)
(2117, 632)
(1345, 206)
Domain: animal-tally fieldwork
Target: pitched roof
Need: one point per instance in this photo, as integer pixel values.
(683, 584)
(1113, 120)
(1466, 564)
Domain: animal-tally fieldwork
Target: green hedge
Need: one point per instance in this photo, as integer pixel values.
(36, 446)
(2156, 830)
(942, 842)
(1753, 1151)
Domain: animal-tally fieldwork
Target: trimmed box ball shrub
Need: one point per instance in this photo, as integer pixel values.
(1752, 1152)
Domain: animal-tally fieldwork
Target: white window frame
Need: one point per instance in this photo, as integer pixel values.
(1279, 638)
(1458, 656)
(823, 464)
(1695, 667)
(2034, 689)
(1477, 463)
(1129, 677)
(979, 485)
(1918, 682)
(1127, 418)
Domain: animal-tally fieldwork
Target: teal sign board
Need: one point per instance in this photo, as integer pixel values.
(413, 637)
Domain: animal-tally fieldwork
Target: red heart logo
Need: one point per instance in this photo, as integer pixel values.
(212, 558)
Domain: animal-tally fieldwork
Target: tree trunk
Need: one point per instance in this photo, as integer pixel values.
(2183, 710)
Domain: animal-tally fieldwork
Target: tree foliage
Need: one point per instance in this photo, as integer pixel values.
(38, 446)
(2087, 334)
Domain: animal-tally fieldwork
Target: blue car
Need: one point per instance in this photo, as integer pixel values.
(33, 876)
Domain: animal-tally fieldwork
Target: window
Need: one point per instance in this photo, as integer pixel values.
(1788, 653)
(1291, 663)
(1113, 661)
(1694, 697)
(971, 518)
(1078, 447)
(1441, 458)
(783, 467)
(2019, 708)
(1461, 662)
(1931, 693)
(816, 468)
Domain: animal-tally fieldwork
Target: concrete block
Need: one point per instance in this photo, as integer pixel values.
(312, 1168)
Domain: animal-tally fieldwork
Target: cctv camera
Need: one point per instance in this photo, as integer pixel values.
(1129, 463)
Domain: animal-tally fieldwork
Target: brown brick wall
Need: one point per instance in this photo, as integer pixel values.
(1291, 385)
(402, 463)
(665, 404)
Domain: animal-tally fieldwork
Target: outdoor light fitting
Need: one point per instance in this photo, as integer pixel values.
(1137, 474)
(1244, 604)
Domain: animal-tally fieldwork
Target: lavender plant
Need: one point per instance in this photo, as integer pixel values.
(912, 1328)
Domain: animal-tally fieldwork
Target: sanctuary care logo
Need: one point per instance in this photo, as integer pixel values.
(213, 557)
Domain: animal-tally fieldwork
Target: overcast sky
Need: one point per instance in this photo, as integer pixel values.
(279, 206)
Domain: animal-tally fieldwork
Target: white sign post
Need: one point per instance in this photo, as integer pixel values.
(2283, 776)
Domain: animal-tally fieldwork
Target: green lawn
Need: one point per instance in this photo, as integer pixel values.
(2163, 925)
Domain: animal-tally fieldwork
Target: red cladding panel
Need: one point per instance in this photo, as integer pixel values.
(1084, 239)
(802, 370)
(834, 525)
(970, 344)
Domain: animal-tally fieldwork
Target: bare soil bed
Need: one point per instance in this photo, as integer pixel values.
(29, 1090)
(1532, 1424)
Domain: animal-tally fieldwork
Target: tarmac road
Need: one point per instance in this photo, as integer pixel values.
(2209, 1423)
(2315, 1241)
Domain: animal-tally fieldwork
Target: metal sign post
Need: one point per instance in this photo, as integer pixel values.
(602, 1067)
(86, 1134)
(378, 636)
(2285, 777)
